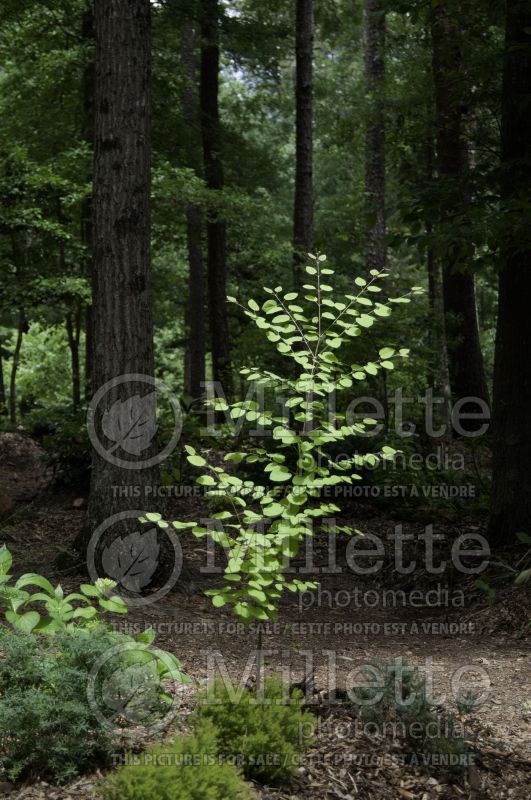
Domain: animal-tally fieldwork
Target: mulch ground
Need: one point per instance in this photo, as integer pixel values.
(346, 760)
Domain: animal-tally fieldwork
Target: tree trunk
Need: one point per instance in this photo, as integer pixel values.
(439, 378)
(303, 204)
(121, 274)
(213, 170)
(375, 133)
(511, 488)
(464, 352)
(88, 86)
(73, 332)
(195, 312)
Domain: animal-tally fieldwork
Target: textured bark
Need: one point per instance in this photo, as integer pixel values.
(195, 311)
(213, 172)
(464, 352)
(87, 132)
(121, 274)
(511, 488)
(303, 203)
(375, 133)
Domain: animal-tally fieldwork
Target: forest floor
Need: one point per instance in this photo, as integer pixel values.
(346, 760)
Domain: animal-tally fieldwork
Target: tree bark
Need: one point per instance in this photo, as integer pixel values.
(195, 312)
(375, 133)
(121, 274)
(511, 487)
(303, 203)
(213, 171)
(464, 352)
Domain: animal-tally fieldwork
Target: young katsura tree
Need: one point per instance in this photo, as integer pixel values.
(261, 526)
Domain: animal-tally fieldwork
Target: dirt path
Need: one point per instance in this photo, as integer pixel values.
(351, 621)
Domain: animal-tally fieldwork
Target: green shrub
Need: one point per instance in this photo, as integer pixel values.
(398, 702)
(185, 770)
(47, 726)
(51, 724)
(62, 431)
(265, 733)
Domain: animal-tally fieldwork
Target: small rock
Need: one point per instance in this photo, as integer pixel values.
(79, 502)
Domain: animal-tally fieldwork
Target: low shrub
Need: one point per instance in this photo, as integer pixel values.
(397, 702)
(62, 432)
(188, 769)
(266, 733)
(47, 726)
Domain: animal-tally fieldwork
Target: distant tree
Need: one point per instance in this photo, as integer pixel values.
(194, 373)
(87, 133)
(375, 132)
(467, 372)
(511, 487)
(303, 204)
(213, 171)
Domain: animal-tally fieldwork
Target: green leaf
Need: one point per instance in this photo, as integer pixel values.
(6, 560)
(196, 461)
(33, 579)
(23, 622)
(205, 480)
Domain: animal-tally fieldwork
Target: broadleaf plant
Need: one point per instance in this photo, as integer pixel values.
(262, 526)
(63, 612)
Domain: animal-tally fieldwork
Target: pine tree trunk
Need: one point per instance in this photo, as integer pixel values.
(303, 204)
(213, 171)
(375, 133)
(511, 488)
(121, 274)
(464, 352)
(88, 81)
(195, 312)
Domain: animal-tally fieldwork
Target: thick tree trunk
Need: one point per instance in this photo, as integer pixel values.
(195, 312)
(511, 488)
(21, 327)
(303, 203)
(213, 171)
(73, 332)
(375, 133)
(121, 274)
(464, 352)
(88, 86)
